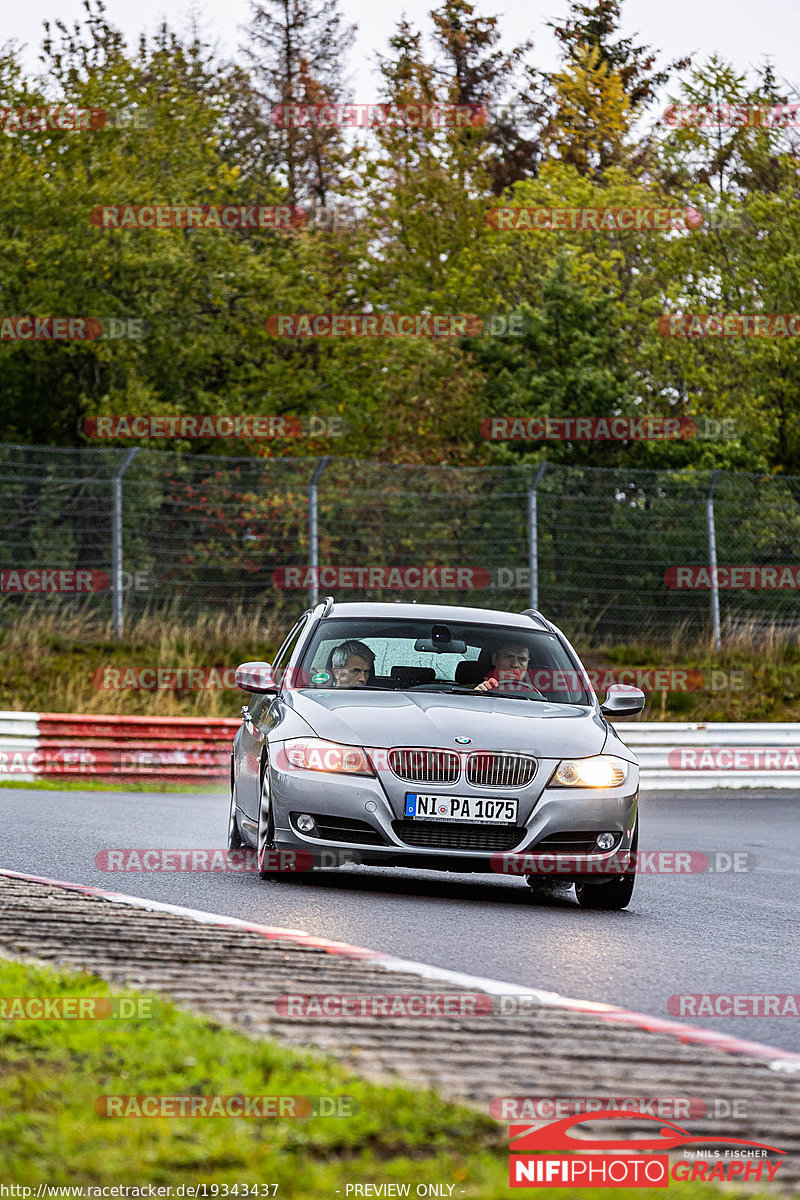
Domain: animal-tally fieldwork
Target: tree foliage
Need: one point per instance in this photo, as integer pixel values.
(592, 134)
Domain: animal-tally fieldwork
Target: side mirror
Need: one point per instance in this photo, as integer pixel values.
(622, 701)
(256, 677)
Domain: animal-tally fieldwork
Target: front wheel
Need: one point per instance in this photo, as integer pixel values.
(235, 839)
(616, 893)
(266, 827)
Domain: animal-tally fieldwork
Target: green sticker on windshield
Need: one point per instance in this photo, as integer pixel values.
(320, 677)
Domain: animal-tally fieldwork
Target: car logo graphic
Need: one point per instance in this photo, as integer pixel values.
(463, 741)
(556, 1136)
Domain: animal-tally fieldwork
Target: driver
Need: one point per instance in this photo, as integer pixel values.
(509, 666)
(352, 664)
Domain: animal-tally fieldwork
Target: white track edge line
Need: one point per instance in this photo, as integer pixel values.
(775, 1059)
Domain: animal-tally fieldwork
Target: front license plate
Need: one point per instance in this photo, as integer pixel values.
(480, 811)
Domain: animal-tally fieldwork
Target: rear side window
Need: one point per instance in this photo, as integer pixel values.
(287, 649)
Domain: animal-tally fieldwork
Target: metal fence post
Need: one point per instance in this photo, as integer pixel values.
(533, 535)
(712, 558)
(313, 532)
(116, 542)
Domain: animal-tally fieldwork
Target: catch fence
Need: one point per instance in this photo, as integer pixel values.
(602, 551)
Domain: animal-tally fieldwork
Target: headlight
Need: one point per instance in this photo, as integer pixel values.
(602, 771)
(315, 754)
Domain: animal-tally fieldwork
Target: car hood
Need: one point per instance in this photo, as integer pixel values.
(386, 719)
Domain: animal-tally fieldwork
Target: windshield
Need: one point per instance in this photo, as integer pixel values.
(479, 659)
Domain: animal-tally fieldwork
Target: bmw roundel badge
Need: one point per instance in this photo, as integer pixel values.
(463, 741)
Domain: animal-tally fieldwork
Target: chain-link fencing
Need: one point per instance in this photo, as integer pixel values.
(605, 552)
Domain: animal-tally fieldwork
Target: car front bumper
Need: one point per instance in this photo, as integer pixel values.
(553, 813)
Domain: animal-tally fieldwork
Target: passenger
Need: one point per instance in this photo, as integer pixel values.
(352, 664)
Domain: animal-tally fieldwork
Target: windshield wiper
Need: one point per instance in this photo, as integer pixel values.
(466, 691)
(343, 687)
(442, 691)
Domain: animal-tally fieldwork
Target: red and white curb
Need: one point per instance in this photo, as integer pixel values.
(778, 1060)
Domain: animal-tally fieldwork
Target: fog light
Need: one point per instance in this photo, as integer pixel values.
(305, 823)
(605, 841)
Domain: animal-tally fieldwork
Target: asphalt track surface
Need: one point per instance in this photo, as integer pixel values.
(733, 933)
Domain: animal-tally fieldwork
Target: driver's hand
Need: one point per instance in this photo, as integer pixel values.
(487, 686)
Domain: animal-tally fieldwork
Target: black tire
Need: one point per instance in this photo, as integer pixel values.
(615, 893)
(235, 839)
(266, 827)
(539, 883)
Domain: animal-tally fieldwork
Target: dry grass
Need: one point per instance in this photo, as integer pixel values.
(25, 628)
(759, 660)
(50, 658)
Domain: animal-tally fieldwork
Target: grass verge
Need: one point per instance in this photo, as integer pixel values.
(51, 1073)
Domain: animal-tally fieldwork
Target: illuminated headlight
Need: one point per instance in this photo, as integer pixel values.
(602, 771)
(315, 754)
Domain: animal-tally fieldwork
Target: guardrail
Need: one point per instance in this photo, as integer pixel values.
(678, 755)
(673, 755)
(81, 746)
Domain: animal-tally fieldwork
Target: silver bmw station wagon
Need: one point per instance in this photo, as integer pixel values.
(436, 736)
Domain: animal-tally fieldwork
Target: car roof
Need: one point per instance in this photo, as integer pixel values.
(436, 612)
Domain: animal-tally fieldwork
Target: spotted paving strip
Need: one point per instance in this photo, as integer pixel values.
(236, 976)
